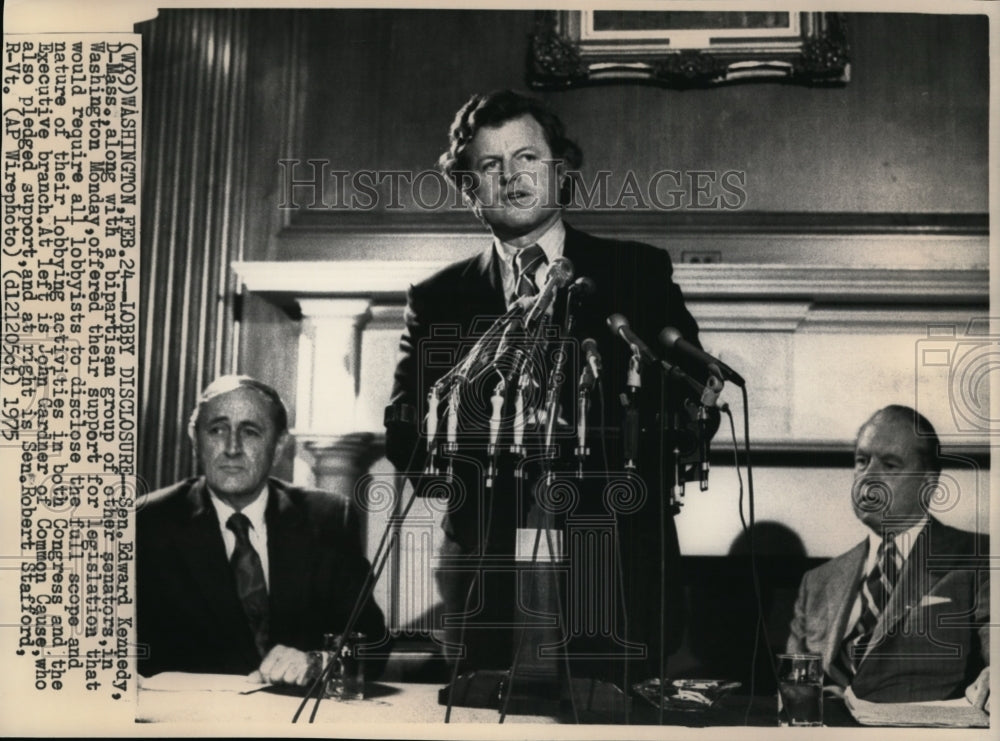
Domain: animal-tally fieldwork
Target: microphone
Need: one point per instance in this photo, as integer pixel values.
(619, 326)
(495, 419)
(672, 340)
(552, 395)
(432, 425)
(582, 287)
(593, 357)
(481, 355)
(708, 393)
(515, 326)
(560, 273)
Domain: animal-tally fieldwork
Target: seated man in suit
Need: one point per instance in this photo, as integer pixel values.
(511, 161)
(238, 572)
(903, 616)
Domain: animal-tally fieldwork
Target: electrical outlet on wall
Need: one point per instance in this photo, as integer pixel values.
(703, 257)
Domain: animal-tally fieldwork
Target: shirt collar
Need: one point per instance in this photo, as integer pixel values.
(551, 242)
(253, 511)
(904, 542)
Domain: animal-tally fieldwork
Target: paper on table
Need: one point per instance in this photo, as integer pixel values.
(191, 682)
(957, 713)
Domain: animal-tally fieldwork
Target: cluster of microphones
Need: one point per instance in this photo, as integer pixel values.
(506, 350)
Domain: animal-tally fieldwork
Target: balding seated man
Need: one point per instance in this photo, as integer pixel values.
(239, 573)
(903, 616)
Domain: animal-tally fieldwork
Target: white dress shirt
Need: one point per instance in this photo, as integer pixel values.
(551, 242)
(258, 527)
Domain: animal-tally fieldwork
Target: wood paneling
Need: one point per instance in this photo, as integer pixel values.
(907, 134)
(194, 170)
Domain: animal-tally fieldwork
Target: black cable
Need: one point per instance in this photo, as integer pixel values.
(604, 441)
(465, 607)
(663, 557)
(736, 464)
(562, 620)
(520, 636)
(761, 621)
(746, 530)
(621, 596)
(621, 564)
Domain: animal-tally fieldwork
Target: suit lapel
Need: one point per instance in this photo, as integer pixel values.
(288, 551)
(203, 553)
(580, 251)
(845, 581)
(483, 274)
(914, 582)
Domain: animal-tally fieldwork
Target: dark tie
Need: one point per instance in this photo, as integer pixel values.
(875, 593)
(250, 584)
(527, 262)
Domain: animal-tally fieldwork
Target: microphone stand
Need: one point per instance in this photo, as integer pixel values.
(585, 384)
(520, 381)
(450, 446)
(456, 376)
(630, 436)
(552, 407)
(709, 397)
(433, 397)
(549, 452)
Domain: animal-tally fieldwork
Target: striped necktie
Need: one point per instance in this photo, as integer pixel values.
(250, 584)
(875, 592)
(527, 262)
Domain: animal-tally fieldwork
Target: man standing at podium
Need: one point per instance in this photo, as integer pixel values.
(512, 162)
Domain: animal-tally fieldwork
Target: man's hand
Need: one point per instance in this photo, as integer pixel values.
(978, 693)
(282, 665)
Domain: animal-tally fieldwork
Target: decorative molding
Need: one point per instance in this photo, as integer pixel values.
(387, 280)
(335, 278)
(715, 221)
(932, 241)
(749, 316)
(358, 310)
(882, 321)
(352, 453)
(766, 453)
(849, 285)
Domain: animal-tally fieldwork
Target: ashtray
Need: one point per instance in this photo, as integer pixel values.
(689, 695)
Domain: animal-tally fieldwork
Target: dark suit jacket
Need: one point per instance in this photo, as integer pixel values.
(189, 615)
(631, 278)
(932, 639)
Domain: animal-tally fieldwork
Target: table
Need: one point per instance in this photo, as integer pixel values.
(384, 703)
(389, 702)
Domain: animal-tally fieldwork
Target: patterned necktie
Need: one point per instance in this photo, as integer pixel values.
(875, 593)
(527, 262)
(250, 584)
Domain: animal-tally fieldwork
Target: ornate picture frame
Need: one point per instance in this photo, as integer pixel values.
(686, 49)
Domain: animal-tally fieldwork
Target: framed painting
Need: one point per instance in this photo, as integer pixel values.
(687, 48)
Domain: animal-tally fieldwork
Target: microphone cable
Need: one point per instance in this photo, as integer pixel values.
(761, 625)
(618, 553)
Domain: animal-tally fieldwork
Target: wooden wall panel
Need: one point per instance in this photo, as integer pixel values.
(194, 156)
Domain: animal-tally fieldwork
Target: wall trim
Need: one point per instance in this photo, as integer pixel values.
(387, 280)
(457, 218)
